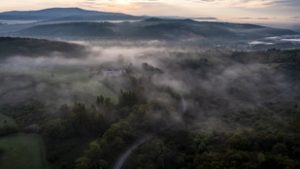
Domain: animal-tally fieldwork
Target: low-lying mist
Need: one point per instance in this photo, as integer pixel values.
(205, 82)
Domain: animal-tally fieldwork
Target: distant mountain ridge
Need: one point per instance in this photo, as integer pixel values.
(154, 29)
(77, 23)
(56, 13)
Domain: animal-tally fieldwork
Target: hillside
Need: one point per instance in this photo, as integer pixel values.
(35, 47)
(155, 29)
(63, 13)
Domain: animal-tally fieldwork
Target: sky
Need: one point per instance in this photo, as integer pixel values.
(253, 11)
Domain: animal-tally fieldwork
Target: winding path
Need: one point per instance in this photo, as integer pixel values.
(123, 158)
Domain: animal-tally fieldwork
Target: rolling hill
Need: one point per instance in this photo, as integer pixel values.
(77, 23)
(154, 29)
(63, 14)
(36, 47)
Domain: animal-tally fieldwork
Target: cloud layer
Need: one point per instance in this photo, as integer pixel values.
(276, 10)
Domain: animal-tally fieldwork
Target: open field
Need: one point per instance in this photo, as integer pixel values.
(7, 125)
(22, 151)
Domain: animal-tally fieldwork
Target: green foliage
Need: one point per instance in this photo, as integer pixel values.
(58, 128)
(75, 121)
(22, 152)
(119, 136)
(248, 150)
(103, 101)
(100, 100)
(36, 47)
(279, 148)
(82, 163)
(25, 113)
(7, 125)
(128, 98)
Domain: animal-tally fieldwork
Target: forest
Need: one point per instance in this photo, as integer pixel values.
(147, 106)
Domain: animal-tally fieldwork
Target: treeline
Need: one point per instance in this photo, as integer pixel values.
(267, 138)
(36, 47)
(99, 131)
(269, 56)
(264, 139)
(240, 149)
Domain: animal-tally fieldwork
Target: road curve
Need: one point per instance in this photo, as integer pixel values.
(122, 159)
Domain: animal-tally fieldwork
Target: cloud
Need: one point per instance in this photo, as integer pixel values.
(247, 3)
(295, 17)
(253, 18)
(225, 10)
(237, 3)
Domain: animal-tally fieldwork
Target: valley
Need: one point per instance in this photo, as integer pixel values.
(84, 89)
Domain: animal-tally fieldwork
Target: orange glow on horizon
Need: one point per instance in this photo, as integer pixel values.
(229, 10)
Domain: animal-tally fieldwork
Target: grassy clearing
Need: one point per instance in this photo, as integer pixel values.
(7, 125)
(22, 151)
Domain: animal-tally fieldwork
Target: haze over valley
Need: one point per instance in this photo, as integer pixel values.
(87, 89)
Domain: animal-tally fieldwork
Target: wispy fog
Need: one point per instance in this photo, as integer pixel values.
(206, 81)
